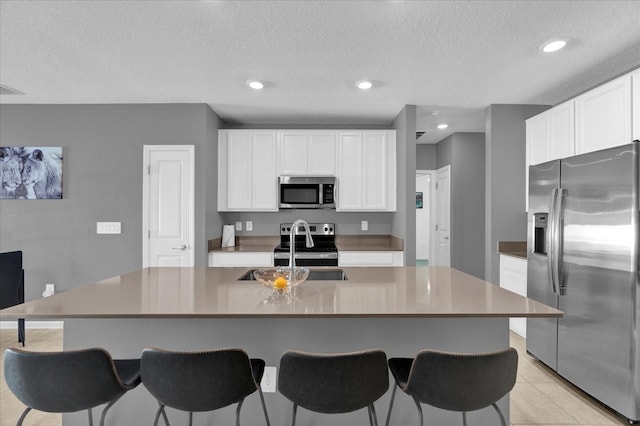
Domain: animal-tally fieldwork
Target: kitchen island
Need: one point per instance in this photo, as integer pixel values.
(398, 309)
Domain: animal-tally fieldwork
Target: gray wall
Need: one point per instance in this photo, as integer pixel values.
(505, 156)
(404, 220)
(465, 153)
(102, 172)
(426, 156)
(347, 223)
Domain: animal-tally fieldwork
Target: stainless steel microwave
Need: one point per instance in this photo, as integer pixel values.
(307, 192)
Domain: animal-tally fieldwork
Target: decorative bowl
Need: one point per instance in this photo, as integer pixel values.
(281, 279)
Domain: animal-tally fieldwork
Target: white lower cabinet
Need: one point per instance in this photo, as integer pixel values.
(370, 258)
(513, 277)
(248, 259)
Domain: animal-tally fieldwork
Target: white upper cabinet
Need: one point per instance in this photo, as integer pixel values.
(561, 139)
(635, 108)
(306, 153)
(247, 171)
(603, 116)
(250, 161)
(366, 170)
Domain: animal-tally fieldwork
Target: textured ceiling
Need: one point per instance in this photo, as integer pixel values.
(450, 57)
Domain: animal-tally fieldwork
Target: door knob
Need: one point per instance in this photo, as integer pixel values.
(183, 247)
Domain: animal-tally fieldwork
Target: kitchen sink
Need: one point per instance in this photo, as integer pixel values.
(314, 275)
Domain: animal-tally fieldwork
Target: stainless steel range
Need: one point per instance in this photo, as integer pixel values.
(323, 253)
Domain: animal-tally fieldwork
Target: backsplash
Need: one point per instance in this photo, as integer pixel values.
(347, 223)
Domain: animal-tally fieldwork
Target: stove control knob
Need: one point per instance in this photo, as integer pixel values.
(326, 228)
(284, 229)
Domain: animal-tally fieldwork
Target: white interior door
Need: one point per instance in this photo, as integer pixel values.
(168, 205)
(443, 217)
(424, 181)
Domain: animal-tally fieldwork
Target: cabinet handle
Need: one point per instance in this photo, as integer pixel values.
(183, 247)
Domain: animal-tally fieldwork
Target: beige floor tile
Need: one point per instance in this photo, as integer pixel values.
(578, 404)
(530, 406)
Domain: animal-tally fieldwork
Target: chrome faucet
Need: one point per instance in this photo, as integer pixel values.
(292, 240)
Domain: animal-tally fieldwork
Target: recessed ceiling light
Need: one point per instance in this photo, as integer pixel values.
(255, 84)
(553, 46)
(364, 84)
(443, 126)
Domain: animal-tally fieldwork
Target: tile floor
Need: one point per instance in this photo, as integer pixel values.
(539, 397)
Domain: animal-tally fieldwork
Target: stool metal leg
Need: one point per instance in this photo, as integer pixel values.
(104, 412)
(238, 411)
(160, 410)
(502, 421)
(24, 414)
(373, 418)
(190, 418)
(419, 410)
(264, 406)
(293, 414)
(464, 418)
(90, 417)
(393, 395)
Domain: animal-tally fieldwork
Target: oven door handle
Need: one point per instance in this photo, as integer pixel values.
(332, 255)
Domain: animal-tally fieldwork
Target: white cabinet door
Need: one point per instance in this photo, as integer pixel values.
(366, 171)
(561, 140)
(292, 153)
(374, 165)
(239, 176)
(370, 258)
(513, 277)
(264, 181)
(603, 116)
(247, 178)
(321, 153)
(247, 259)
(537, 136)
(350, 171)
(307, 153)
(635, 96)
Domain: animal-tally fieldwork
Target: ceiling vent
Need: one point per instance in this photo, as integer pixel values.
(419, 134)
(6, 90)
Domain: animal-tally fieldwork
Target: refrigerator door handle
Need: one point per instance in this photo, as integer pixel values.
(557, 241)
(551, 246)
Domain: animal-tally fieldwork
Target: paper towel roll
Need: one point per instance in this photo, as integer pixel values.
(228, 236)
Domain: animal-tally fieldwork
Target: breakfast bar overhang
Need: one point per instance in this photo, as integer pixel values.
(400, 310)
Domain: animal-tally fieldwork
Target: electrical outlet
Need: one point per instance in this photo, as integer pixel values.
(268, 382)
(49, 290)
(108, 228)
(364, 225)
(238, 226)
(248, 225)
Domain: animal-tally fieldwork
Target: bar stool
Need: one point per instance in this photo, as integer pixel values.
(201, 381)
(455, 381)
(334, 383)
(69, 381)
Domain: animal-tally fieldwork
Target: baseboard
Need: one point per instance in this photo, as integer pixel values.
(13, 325)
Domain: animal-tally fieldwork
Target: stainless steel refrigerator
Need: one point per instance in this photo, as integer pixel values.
(583, 259)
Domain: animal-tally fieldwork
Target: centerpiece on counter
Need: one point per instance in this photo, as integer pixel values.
(281, 279)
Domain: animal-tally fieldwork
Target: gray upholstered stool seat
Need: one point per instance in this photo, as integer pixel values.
(334, 383)
(65, 382)
(455, 381)
(201, 381)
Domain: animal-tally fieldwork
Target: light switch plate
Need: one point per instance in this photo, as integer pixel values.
(268, 382)
(364, 225)
(238, 226)
(248, 225)
(108, 228)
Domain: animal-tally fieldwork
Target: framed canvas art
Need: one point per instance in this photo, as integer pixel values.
(30, 173)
